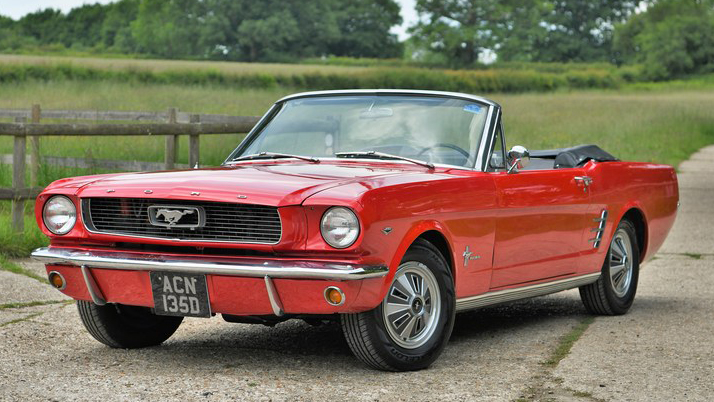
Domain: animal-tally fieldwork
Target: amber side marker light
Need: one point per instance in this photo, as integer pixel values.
(334, 296)
(57, 280)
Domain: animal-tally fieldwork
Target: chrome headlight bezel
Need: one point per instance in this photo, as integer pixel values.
(60, 202)
(336, 218)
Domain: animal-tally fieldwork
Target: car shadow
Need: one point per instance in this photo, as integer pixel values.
(295, 340)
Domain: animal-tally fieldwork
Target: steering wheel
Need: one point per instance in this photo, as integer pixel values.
(445, 145)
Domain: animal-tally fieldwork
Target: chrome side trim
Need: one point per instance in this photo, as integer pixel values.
(92, 287)
(248, 267)
(600, 229)
(502, 296)
(274, 297)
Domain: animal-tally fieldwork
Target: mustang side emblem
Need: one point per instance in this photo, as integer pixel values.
(176, 216)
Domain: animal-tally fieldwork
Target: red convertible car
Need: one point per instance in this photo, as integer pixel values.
(388, 210)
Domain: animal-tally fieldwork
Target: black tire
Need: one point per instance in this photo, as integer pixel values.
(370, 340)
(128, 327)
(602, 297)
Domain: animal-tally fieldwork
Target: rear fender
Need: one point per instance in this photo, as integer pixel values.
(620, 214)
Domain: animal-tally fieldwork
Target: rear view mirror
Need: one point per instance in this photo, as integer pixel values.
(376, 113)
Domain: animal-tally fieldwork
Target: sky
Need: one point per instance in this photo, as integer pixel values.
(17, 8)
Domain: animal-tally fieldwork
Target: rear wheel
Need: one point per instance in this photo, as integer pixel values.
(614, 291)
(128, 327)
(411, 326)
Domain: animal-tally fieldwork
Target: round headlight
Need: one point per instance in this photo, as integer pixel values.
(339, 227)
(59, 214)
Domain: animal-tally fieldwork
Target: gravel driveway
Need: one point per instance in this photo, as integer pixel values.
(661, 350)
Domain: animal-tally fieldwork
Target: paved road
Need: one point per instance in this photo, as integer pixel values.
(661, 350)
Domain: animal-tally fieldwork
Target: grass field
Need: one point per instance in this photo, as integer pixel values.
(646, 123)
(172, 65)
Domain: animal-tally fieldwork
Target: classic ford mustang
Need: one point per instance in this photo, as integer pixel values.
(388, 210)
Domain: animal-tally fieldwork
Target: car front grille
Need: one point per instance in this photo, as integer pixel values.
(222, 222)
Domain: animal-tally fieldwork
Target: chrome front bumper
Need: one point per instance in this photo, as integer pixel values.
(249, 267)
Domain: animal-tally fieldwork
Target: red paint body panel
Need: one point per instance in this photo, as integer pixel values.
(525, 227)
(542, 225)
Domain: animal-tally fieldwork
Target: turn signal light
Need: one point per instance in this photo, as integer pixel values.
(57, 280)
(334, 296)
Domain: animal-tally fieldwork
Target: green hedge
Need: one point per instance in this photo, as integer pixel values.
(474, 81)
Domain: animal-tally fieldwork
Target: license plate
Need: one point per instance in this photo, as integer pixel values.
(180, 294)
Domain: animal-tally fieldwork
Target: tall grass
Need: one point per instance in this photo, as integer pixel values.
(19, 244)
(244, 75)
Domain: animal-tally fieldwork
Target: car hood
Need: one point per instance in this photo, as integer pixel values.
(278, 184)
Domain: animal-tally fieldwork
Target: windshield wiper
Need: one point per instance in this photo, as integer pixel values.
(274, 155)
(381, 155)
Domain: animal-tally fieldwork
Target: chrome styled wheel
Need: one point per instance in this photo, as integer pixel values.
(409, 329)
(620, 263)
(412, 306)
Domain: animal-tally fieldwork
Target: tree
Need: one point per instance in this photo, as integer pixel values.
(45, 26)
(168, 28)
(580, 30)
(82, 26)
(116, 27)
(525, 30)
(458, 29)
(265, 30)
(364, 29)
(671, 38)
(10, 36)
(268, 38)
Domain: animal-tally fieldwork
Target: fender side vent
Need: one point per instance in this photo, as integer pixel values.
(600, 229)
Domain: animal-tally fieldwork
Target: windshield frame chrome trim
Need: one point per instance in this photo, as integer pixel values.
(408, 92)
(486, 134)
(492, 137)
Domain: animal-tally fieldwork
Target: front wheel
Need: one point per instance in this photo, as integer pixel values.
(614, 291)
(411, 326)
(129, 327)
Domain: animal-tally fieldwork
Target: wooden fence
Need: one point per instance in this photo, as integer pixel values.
(170, 124)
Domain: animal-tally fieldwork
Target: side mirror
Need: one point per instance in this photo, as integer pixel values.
(518, 158)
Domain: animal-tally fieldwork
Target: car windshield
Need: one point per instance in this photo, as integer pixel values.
(425, 128)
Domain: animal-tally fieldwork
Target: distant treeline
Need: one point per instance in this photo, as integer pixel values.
(246, 30)
(668, 38)
(518, 78)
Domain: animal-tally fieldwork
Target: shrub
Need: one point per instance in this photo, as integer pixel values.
(510, 79)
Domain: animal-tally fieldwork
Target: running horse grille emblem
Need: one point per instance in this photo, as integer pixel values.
(174, 216)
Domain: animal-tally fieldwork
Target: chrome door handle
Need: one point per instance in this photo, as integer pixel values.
(587, 181)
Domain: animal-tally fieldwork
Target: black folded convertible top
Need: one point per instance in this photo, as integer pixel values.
(575, 156)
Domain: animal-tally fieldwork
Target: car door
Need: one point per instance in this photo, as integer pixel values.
(541, 222)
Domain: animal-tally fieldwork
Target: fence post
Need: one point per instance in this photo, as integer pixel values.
(193, 143)
(171, 143)
(18, 179)
(35, 149)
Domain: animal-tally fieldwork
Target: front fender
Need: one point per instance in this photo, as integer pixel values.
(377, 289)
